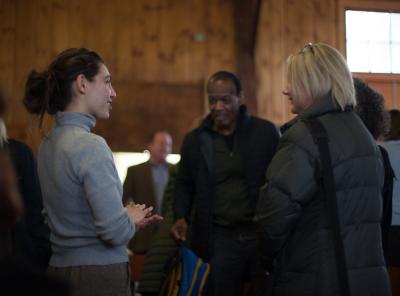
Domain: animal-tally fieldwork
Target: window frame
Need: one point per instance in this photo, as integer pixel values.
(381, 78)
(345, 35)
(364, 5)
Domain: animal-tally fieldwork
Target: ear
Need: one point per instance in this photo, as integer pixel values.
(241, 97)
(81, 84)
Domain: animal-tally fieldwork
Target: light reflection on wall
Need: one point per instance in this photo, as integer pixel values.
(123, 160)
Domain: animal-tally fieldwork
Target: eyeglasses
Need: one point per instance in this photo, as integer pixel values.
(309, 46)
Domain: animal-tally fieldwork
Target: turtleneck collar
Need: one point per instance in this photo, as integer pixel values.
(82, 120)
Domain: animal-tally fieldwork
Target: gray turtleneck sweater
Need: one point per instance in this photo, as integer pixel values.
(82, 195)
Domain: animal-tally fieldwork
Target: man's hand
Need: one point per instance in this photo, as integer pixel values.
(179, 229)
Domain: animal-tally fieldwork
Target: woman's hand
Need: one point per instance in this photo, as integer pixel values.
(142, 216)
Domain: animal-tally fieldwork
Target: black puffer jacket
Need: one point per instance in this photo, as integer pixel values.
(292, 223)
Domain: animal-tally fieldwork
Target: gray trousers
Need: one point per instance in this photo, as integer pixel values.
(95, 280)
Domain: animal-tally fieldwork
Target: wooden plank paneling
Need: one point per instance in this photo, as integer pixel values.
(285, 27)
(122, 47)
(246, 15)
(24, 48)
(139, 110)
(76, 30)
(221, 51)
(171, 43)
(7, 54)
(271, 51)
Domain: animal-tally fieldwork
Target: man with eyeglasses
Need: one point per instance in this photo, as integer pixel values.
(223, 164)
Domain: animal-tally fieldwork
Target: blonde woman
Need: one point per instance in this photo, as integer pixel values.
(294, 228)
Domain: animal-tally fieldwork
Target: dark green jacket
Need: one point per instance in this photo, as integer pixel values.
(292, 222)
(162, 246)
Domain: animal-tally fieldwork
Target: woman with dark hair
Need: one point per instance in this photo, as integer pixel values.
(371, 109)
(319, 237)
(82, 193)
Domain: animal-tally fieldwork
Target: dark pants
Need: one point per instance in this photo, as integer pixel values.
(95, 280)
(393, 249)
(235, 261)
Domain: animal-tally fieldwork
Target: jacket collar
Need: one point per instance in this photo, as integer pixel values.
(206, 132)
(320, 107)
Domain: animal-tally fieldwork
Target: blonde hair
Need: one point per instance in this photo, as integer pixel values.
(318, 70)
(3, 133)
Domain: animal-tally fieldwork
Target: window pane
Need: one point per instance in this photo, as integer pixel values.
(395, 27)
(379, 26)
(357, 25)
(357, 56)
(379, 56)
(373, 41)
(396, 58)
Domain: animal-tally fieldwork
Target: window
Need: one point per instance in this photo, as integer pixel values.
(123, 160)
(373, 41)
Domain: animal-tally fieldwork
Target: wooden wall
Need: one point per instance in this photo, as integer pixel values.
(159, 53)
(285, 27)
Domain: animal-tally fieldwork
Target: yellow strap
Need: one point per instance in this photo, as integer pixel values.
(176, 281)
(194, 278)
(203, 280)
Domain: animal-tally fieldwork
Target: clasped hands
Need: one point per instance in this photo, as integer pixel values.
(142, 216)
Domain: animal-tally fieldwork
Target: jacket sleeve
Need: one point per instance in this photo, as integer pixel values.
(185, 181)
(103, 192)
(290, 186)
(39, 232)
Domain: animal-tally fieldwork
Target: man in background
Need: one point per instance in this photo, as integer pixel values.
(145, 184)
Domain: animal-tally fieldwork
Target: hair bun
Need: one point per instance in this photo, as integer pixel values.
(35, 92)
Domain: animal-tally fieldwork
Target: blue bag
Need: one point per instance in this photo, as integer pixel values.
(187, 276)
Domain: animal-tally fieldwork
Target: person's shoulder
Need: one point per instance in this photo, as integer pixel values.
(262, 122)
(90, 145)
(265, 126)
(139, 166)
(192, 136)
(18, 146)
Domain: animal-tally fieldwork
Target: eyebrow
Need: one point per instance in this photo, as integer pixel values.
(220, 95)
(107, 76)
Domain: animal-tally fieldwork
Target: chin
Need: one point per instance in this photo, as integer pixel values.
(103, 116)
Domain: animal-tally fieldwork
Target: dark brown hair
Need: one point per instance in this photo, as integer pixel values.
(371, 109)
(50, 91)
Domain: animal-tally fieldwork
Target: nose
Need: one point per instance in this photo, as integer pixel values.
(113, 94)
(285, 91)
(219, 105)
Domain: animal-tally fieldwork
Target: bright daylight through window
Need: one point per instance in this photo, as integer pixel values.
(373, 41)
